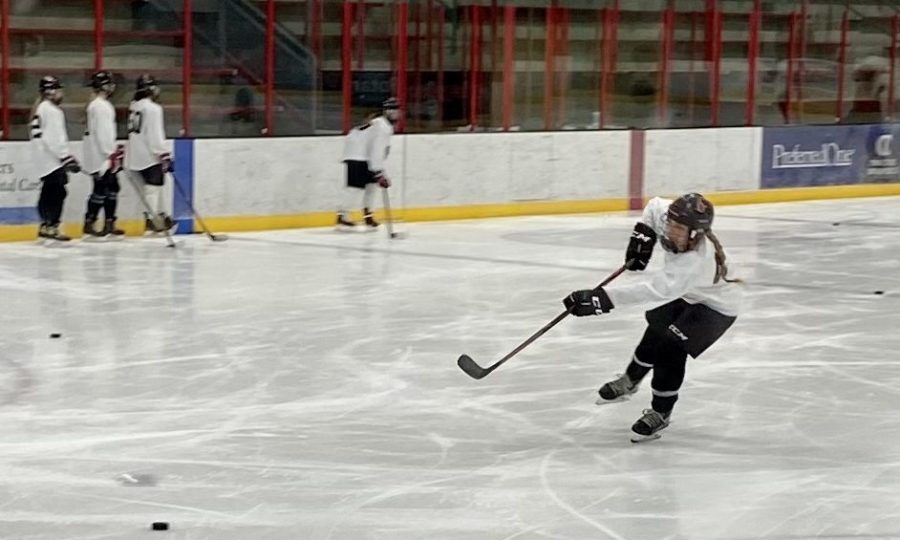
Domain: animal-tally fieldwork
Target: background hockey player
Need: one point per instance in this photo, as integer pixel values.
(102, 157)
(148, 155)
(356, 163)
(53, 160)
(699, 303)
(378, 146)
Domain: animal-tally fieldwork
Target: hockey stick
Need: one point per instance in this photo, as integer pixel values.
(387, 212)
(475, 371)
(185, 198)
(153, 217)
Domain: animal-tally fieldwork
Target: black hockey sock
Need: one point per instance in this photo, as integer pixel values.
(663, 404)
(109, 206)
(636, 372)
(93, 207)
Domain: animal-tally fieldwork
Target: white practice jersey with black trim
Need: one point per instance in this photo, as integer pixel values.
(99, 136)
(378, 137)
(49, 140)
(355, 144)
(687, 275)
(146, 135)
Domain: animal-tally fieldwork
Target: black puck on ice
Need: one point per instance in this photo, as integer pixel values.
(160, 526)
(878, 292)
(836, 223)
(55, 335)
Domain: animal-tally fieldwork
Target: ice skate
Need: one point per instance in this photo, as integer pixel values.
(110, 229)
(371, 224)
(647, 427)
(343, 224)
(53, 233)
(617, 390)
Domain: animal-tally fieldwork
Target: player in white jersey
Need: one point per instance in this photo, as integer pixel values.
(148, 155)
(102, 157)
(53, 160)
(355, 158)
(378, 147)
(699, 303)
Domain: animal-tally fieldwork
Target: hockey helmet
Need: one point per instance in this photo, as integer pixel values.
(103, 81)
(693, 211)
(390, 104)
(146, 86)
(49, 83)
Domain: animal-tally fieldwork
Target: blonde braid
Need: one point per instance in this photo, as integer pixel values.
(721, 267)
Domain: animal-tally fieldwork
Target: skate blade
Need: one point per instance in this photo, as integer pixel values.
(637, 439)
(344, 229)
(91, 239)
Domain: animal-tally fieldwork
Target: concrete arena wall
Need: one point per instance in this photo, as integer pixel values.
(260, 183)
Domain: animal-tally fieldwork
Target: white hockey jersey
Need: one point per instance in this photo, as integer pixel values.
(378, 137)
(146, 135)
(355, 144)
(99, 136)
(686, 275)
(49, 140)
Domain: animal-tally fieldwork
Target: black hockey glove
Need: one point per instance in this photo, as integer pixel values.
(588, 302)
(70, 164)
(640, 247)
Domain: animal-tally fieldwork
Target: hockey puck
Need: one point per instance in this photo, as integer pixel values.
(160, 526)
(878, 292)
(836, 223)
(55, 335)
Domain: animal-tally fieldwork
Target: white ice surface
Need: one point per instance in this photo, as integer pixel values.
(303, 385)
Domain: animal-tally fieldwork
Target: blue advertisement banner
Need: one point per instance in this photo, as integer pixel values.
(830, 155)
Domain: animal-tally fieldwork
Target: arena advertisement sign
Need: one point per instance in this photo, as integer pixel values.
(829, 155)
(19, 185)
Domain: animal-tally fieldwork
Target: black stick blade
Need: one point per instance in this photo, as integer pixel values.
(472, 369)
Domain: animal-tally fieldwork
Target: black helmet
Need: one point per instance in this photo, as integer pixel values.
(103, 80)
(693, 211)
(48, 83)
(390, 104)
(146, 87)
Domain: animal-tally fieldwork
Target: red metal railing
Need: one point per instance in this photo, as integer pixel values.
(412, 76)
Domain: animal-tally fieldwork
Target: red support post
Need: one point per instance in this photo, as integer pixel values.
(402, 62)
(610, 43)
(789, 75)
(665, 58)
(563, 52)
(494, 35)
(842, 65)
(270, 64)
(895, 27)
(361, 33)
(475, 65)
(187, 68)
(98, 35)
(440, 64)
(509, 38)
(417, 66)
(801, 68)
(752, 60)
(346, 68)
(549, 66)
(692, 87)
(716, 71)
(4, 70)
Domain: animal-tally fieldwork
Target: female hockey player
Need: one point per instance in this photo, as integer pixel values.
(148, 155)
(699, 303)
(102, 158)
(365, 152)
(50, 144)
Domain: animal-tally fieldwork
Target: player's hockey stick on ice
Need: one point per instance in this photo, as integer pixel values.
(185, 198)
(475, 371)
(388, 215)
(158, 223)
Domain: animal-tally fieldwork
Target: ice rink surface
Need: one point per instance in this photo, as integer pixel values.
(302, 385)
